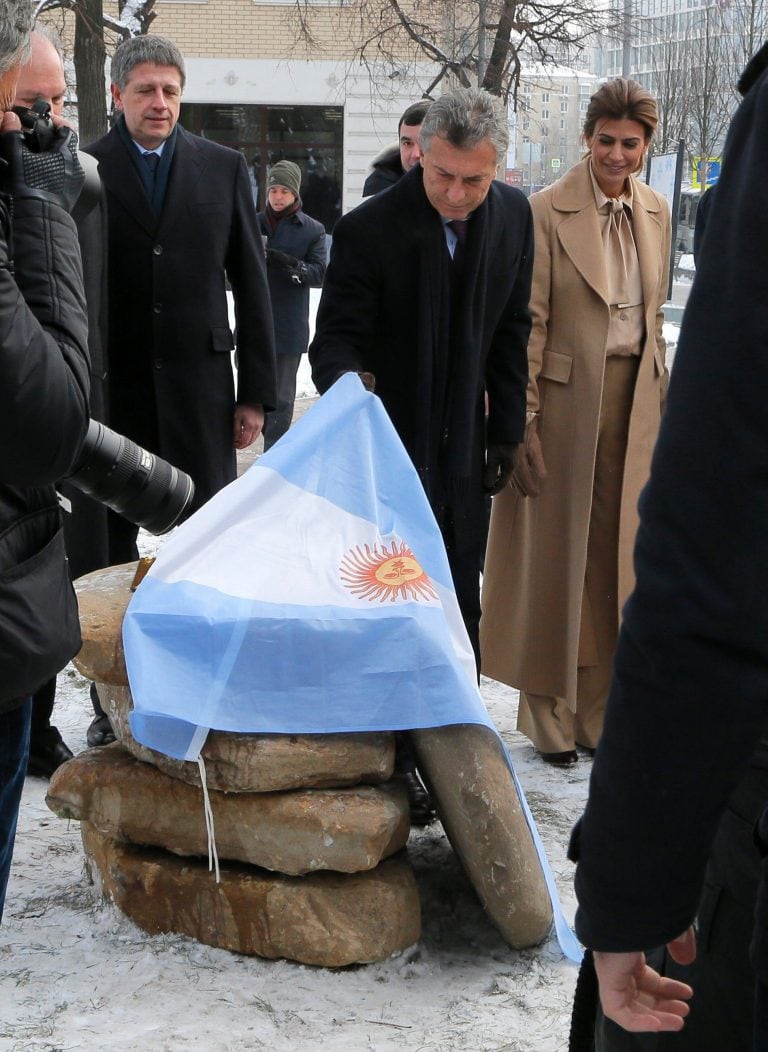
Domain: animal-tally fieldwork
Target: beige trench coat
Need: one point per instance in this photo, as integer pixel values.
(537, 551)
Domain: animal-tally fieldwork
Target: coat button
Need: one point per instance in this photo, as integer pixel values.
(159, 363)
(158, 308)
(157, 250)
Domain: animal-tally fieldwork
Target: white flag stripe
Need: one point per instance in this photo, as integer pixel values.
(293, 526)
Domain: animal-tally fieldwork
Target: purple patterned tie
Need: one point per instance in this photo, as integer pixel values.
(459, 227)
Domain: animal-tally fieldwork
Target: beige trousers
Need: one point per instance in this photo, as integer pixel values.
(549, 722)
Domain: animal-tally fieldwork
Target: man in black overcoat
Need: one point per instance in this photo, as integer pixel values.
(181, 223)
(690, 693)
(438, 314)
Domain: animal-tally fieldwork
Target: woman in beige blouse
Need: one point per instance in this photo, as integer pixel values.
(559, 561)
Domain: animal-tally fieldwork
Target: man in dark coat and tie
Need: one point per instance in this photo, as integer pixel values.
(427, 289)
(181, 223)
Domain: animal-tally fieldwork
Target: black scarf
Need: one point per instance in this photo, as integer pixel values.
(449, 353)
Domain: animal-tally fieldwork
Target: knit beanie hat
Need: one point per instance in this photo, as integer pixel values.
(287, 174)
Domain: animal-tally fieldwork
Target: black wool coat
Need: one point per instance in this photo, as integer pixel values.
(303, 237)
(388, 308)
(690, 693)
(170, 384)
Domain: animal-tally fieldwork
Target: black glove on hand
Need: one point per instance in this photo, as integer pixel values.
(276, 258)
(499, 462)
(54, 175)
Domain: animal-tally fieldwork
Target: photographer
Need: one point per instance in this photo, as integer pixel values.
(43, 413)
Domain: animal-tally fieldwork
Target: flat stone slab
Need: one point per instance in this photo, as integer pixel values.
(346, 830)
(475, 796)
(262, 763)
(102, 599)
(326, 919)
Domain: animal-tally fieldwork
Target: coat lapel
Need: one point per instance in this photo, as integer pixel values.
(579, 233)
(183, 180)
(122, 180)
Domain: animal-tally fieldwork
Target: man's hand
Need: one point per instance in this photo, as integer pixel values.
(529, 467)
(276, 258)
(499, 462)
(249, 421)
(53, 175)
(636, 997)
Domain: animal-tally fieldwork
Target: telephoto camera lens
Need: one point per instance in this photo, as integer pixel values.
(135, 483)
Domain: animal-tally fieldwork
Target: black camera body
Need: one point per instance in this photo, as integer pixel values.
(36, 125)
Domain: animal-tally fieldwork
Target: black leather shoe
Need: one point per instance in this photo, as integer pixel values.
(561, 759)
(100, 732)
(47, 751)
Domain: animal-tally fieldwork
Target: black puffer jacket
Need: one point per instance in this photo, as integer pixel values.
(43, 420)
(386, 169)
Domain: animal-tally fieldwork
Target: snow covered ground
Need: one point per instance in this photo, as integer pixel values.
(75, 974)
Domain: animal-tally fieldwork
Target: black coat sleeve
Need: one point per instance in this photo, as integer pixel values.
(43, 347)
(347, 316)
(506, 371)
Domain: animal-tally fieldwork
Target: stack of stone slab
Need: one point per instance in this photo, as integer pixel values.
(308, 828)
(311, 827)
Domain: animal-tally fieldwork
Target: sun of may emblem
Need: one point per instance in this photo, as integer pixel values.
(385, 573)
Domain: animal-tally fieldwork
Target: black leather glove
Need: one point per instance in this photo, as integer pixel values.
(499, 462)
(54, 175)
(368, 380)
(276, 258)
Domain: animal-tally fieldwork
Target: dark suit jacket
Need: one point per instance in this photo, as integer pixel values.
(170, 385)
(392, 305)
(690, 693)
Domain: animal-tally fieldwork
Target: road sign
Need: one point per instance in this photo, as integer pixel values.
(713, 171)
(555, 162)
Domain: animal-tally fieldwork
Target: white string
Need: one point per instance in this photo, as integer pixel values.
(213, 855)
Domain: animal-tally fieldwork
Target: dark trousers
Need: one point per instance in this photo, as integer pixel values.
(14, 750)
(278, 422)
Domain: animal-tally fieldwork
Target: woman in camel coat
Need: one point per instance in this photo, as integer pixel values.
(559, 562)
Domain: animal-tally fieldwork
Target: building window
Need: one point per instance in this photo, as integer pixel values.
(311, 136)
(545, 96)
(545, 114)
(563, 105)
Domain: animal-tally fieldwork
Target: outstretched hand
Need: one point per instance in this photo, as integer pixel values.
(636, 997)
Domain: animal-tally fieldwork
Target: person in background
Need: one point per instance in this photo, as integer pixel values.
(559, 562)
(44, 413)
(296, 259)
(394, 161)
(181, 223)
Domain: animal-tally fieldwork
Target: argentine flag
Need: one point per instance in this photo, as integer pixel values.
(312, 595)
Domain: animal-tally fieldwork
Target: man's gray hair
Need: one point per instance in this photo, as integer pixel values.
(16, 19)
(135, 50)
(465, 118)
